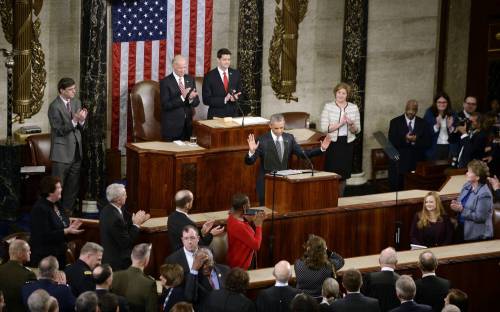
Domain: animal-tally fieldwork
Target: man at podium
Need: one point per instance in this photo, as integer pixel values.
(274, 149)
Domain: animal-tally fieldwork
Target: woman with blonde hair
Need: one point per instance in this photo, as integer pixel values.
(431, 226)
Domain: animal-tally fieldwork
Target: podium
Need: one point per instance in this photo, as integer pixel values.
(301, 192)
(217, 133)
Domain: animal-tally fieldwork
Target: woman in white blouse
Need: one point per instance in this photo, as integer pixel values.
(440, 118)
(340, 119)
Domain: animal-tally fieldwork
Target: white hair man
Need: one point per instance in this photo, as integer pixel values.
(79, 274)
(405, 290)
(279, 295)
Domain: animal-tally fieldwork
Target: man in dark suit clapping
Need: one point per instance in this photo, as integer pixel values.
(178, 97)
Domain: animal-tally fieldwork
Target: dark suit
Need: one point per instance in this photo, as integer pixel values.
(432, 290)
(197, 287)
(222, 300)
(176, 114)
(174, 295)
(213, 93)
(118, 235)
(79, 277)
(138, 288)
(175, 223)
(275, 299)
(411, 306)
(13, 276)
(47, 233)
(472, 147)
(410, 153)
(269, 159)
(65, 148)
(122, 302)
(62, 293)
(179, 257)
(382, 286)
(354, 302)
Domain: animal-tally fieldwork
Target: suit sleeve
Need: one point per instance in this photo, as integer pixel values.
(191, 287)
(152, 298)
(123, 235)
(424, 141)
(397, 136)
(299, 151)
(196, 101)
(208, 93)
(56, 120)
(169, 99)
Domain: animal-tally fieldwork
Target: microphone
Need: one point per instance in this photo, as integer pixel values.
(233, 92)
(309, 162)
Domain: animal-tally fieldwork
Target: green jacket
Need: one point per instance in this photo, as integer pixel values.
(13, 276)
(138, 288)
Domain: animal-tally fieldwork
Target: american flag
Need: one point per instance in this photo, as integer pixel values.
(146, 36)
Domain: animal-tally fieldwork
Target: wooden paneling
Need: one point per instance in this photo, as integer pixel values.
(209, 137)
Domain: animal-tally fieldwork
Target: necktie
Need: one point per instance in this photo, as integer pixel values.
(226, 82)
(410, 128)
(279, 149)
(68, 106)
(181, 84)
(212, 284)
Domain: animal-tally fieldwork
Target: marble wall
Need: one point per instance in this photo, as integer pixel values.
(60, 39)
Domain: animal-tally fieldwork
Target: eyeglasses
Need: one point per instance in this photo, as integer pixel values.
(190, 238)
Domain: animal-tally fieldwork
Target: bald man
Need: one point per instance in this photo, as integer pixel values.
(178, 98)
(279, 296)
(14, 274)
(411, 136)
(179, 218)
(380, 285)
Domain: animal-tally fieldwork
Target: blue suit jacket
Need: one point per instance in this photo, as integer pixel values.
(62, 293)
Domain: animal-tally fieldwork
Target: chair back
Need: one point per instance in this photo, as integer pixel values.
(39, 145)
(146, 111)
(296, 120)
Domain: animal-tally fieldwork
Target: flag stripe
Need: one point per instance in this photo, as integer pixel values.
(171, 22)
(162, 59)
(178, 27)
(124, 74)
(192, 36)
(147, 61)
(208, 34)
(185, 29)
(200, 35)
(115, 95)
(155, 58)
(139, 62)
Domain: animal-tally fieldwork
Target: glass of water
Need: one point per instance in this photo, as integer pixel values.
(192, 140)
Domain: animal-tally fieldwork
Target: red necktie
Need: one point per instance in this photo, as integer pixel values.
(226, 82)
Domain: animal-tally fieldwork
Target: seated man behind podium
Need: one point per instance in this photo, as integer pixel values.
(179, 218)
(274, 149)
(178, 97)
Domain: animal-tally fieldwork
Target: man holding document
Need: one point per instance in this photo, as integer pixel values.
(274, 149)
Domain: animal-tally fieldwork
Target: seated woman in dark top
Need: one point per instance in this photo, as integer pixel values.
(314, 267)
(431, 226)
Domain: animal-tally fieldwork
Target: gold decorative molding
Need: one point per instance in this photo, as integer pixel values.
(283, 48)
(23, 32)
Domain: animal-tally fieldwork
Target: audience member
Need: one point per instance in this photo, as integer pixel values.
(138, 288)
(205, 275)
(279, 296)
(340, 119)
(405, 290)
(242, 240)
(274, 149)
(41, 301)
(314, 267)
(304, 303)
(469, 107)
(380, 285)
(330, 292)
(171, 279)
(431, 289)
(411, 136)
(178, 98)
(79, 274)
(472, 141)
(450, 308)
(182, 307)
(103, 277)
(354, 300)
(185, 255)
(118, 229)
(179, 218)
(495, 185)
(475, 204)
(440, 118)
(87, 302)
(431, 226)
(49, 226)
(231, 298)
(54, 282)
(221, 98)
(457, 297)
(14, 274)
(108, 302)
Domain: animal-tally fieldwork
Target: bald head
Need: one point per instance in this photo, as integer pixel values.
(427, 262)
(282, 271)
(388, 258)
(184, 200)
(411, 109)
(19, 250)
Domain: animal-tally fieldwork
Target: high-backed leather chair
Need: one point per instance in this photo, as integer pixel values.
(496, 220)
(146, 111)
(380, 162)
(296, 120)
(39, 145)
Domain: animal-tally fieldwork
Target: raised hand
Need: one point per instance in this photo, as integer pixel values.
(207, 226)
(140, 217)
(216, 231)
(449, 121)
(252, 146)
(73, 227)
(456, 206)
(259, 218)
(325, 142)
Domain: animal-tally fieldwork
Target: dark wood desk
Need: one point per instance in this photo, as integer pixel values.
(224, 135)
(213, 175)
